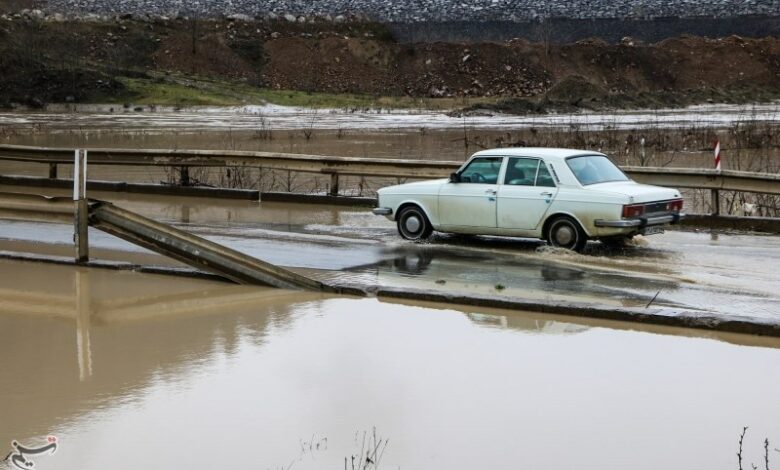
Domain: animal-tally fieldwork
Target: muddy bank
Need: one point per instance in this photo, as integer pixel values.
(182, 61)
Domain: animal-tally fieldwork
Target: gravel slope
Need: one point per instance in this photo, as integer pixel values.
(429, 10)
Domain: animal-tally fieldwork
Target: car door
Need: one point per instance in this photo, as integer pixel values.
(527, 191)
(471, 202)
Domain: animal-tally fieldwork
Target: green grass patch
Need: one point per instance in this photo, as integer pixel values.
(186, 91)
(142, 91)
(341, 101)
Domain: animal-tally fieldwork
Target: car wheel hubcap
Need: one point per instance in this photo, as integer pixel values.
(412, 224)
(564, 236)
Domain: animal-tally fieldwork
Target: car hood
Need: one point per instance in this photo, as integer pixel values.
(417, 187)
(637, 191)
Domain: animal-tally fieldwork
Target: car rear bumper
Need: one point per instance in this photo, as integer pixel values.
(640, 222)
(386, 211)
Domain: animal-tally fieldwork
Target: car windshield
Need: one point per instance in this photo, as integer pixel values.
(594, 169)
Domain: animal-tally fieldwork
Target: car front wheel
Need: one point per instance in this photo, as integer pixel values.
(413, 224)
(565, 232)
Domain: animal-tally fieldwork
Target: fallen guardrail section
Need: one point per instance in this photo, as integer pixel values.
(193, 250)
(155, 236)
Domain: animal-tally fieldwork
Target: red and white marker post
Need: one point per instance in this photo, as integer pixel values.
(715, 194)
(717, 155)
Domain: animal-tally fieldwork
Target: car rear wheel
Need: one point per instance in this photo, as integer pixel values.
(413, 224)
(565, 232)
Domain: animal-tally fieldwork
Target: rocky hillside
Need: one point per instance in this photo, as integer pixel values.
(49, 59)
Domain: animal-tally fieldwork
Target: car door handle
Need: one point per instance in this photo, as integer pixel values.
(492, 192)
(548, 194)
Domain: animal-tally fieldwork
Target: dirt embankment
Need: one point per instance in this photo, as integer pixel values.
(45, 61)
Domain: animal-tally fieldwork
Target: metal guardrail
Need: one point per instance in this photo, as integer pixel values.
(725, 180)
(222, 158)
(34, 207)
(193, 250)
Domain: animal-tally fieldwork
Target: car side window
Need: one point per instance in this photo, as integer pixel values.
(521, 171)
(544, 178)
(482, 170)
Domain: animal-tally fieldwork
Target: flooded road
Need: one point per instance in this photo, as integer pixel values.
(135, 371)
(730, 273)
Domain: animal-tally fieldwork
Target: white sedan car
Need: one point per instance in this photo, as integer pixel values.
(563, 196)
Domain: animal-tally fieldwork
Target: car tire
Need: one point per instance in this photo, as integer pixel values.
(565, 232)
(413, 224)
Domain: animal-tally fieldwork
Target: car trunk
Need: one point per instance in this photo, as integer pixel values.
(641, 193)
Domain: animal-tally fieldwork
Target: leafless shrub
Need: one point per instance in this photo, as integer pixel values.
(185, 176)
(739, 452)
(308, 131)
(264, 130)
(372, 448)
(766, 454)
(236, 177)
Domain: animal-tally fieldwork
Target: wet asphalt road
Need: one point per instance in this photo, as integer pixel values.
(732, 273)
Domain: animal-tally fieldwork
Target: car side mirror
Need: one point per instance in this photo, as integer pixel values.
(454, 178)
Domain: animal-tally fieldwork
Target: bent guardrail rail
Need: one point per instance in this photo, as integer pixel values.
(193, 250)
(160, 238)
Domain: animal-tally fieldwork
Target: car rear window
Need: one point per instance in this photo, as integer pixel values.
(594, 169)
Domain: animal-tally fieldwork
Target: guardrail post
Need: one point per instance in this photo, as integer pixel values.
(52, 170)
(334, 184)
(715, 195)
(81, 219)
(184, 176)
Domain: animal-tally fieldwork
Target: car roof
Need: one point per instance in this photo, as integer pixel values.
(539, 152)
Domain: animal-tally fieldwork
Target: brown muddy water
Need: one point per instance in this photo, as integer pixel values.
(437, 144)
(677, 138)
(134, 371)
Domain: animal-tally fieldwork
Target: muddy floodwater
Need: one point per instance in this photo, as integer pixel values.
(142, 371)
(136, 371)
(677, 137)
(662, 138)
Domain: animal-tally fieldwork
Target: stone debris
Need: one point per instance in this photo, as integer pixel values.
(405, 11)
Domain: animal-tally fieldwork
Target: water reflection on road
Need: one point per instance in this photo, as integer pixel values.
(727, 272)
(138, 371)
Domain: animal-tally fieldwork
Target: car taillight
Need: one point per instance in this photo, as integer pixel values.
(634, 210)
(674, 206)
